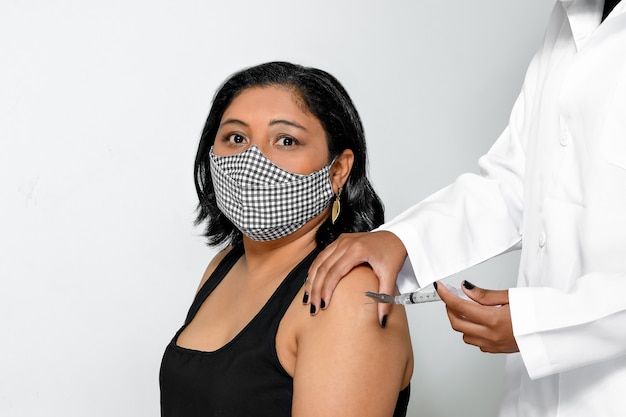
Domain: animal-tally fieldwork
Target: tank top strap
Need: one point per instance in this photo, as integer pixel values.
(289, 288)
(214, 279)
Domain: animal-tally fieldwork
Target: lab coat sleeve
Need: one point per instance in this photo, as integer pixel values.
(557, 331)
(473, 219)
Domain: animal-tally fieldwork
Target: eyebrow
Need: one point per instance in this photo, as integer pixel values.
(287, 122)
(234, 122)
(272, 123)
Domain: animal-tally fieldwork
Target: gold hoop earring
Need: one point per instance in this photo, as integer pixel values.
(336, 207)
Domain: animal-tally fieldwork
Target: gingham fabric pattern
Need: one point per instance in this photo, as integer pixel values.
(263, 201)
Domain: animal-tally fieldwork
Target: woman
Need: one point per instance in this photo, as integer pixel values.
(281, 145)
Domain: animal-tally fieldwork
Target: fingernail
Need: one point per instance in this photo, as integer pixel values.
(312, 308)
(305, 299)
(468, 285)
(435, 285)
(322, 304)
(383, 323)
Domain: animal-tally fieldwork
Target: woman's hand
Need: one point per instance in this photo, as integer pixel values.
(382, 250)
(485, 323)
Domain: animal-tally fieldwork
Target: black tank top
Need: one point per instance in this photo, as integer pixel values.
(244, 377)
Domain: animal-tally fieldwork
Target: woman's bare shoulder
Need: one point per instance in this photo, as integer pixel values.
(351, 305)
(351, 289)
(219, 257)
(346, 362)
(362, 277)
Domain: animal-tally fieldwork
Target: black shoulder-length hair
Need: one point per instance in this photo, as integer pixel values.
(325, 98)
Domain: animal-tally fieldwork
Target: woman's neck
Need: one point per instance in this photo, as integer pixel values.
(269, 258)
(284, 253)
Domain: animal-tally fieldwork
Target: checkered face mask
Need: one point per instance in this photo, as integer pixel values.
(263, 201)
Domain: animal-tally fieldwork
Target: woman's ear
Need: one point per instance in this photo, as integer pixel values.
(340, 170)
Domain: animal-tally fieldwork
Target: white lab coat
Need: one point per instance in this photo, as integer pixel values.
(554, 184)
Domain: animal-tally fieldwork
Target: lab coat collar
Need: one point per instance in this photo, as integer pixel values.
(584, 18)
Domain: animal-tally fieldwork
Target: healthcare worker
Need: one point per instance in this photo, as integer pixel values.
(554, 185)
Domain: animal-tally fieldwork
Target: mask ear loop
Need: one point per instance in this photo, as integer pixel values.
(336, 207)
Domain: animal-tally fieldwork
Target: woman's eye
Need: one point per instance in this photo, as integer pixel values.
(236, 138)
(286, 141)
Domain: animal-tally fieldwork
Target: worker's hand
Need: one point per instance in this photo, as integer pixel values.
(382, 250)
(485, 323)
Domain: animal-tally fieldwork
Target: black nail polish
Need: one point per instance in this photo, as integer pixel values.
(305, 299)
(383, 323)
(468, 285)
(322, 304)
(313, 309)
(435, 285)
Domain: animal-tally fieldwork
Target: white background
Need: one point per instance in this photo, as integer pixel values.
(101, 106)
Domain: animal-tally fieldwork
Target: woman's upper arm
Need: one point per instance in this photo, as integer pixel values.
(346, 363)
